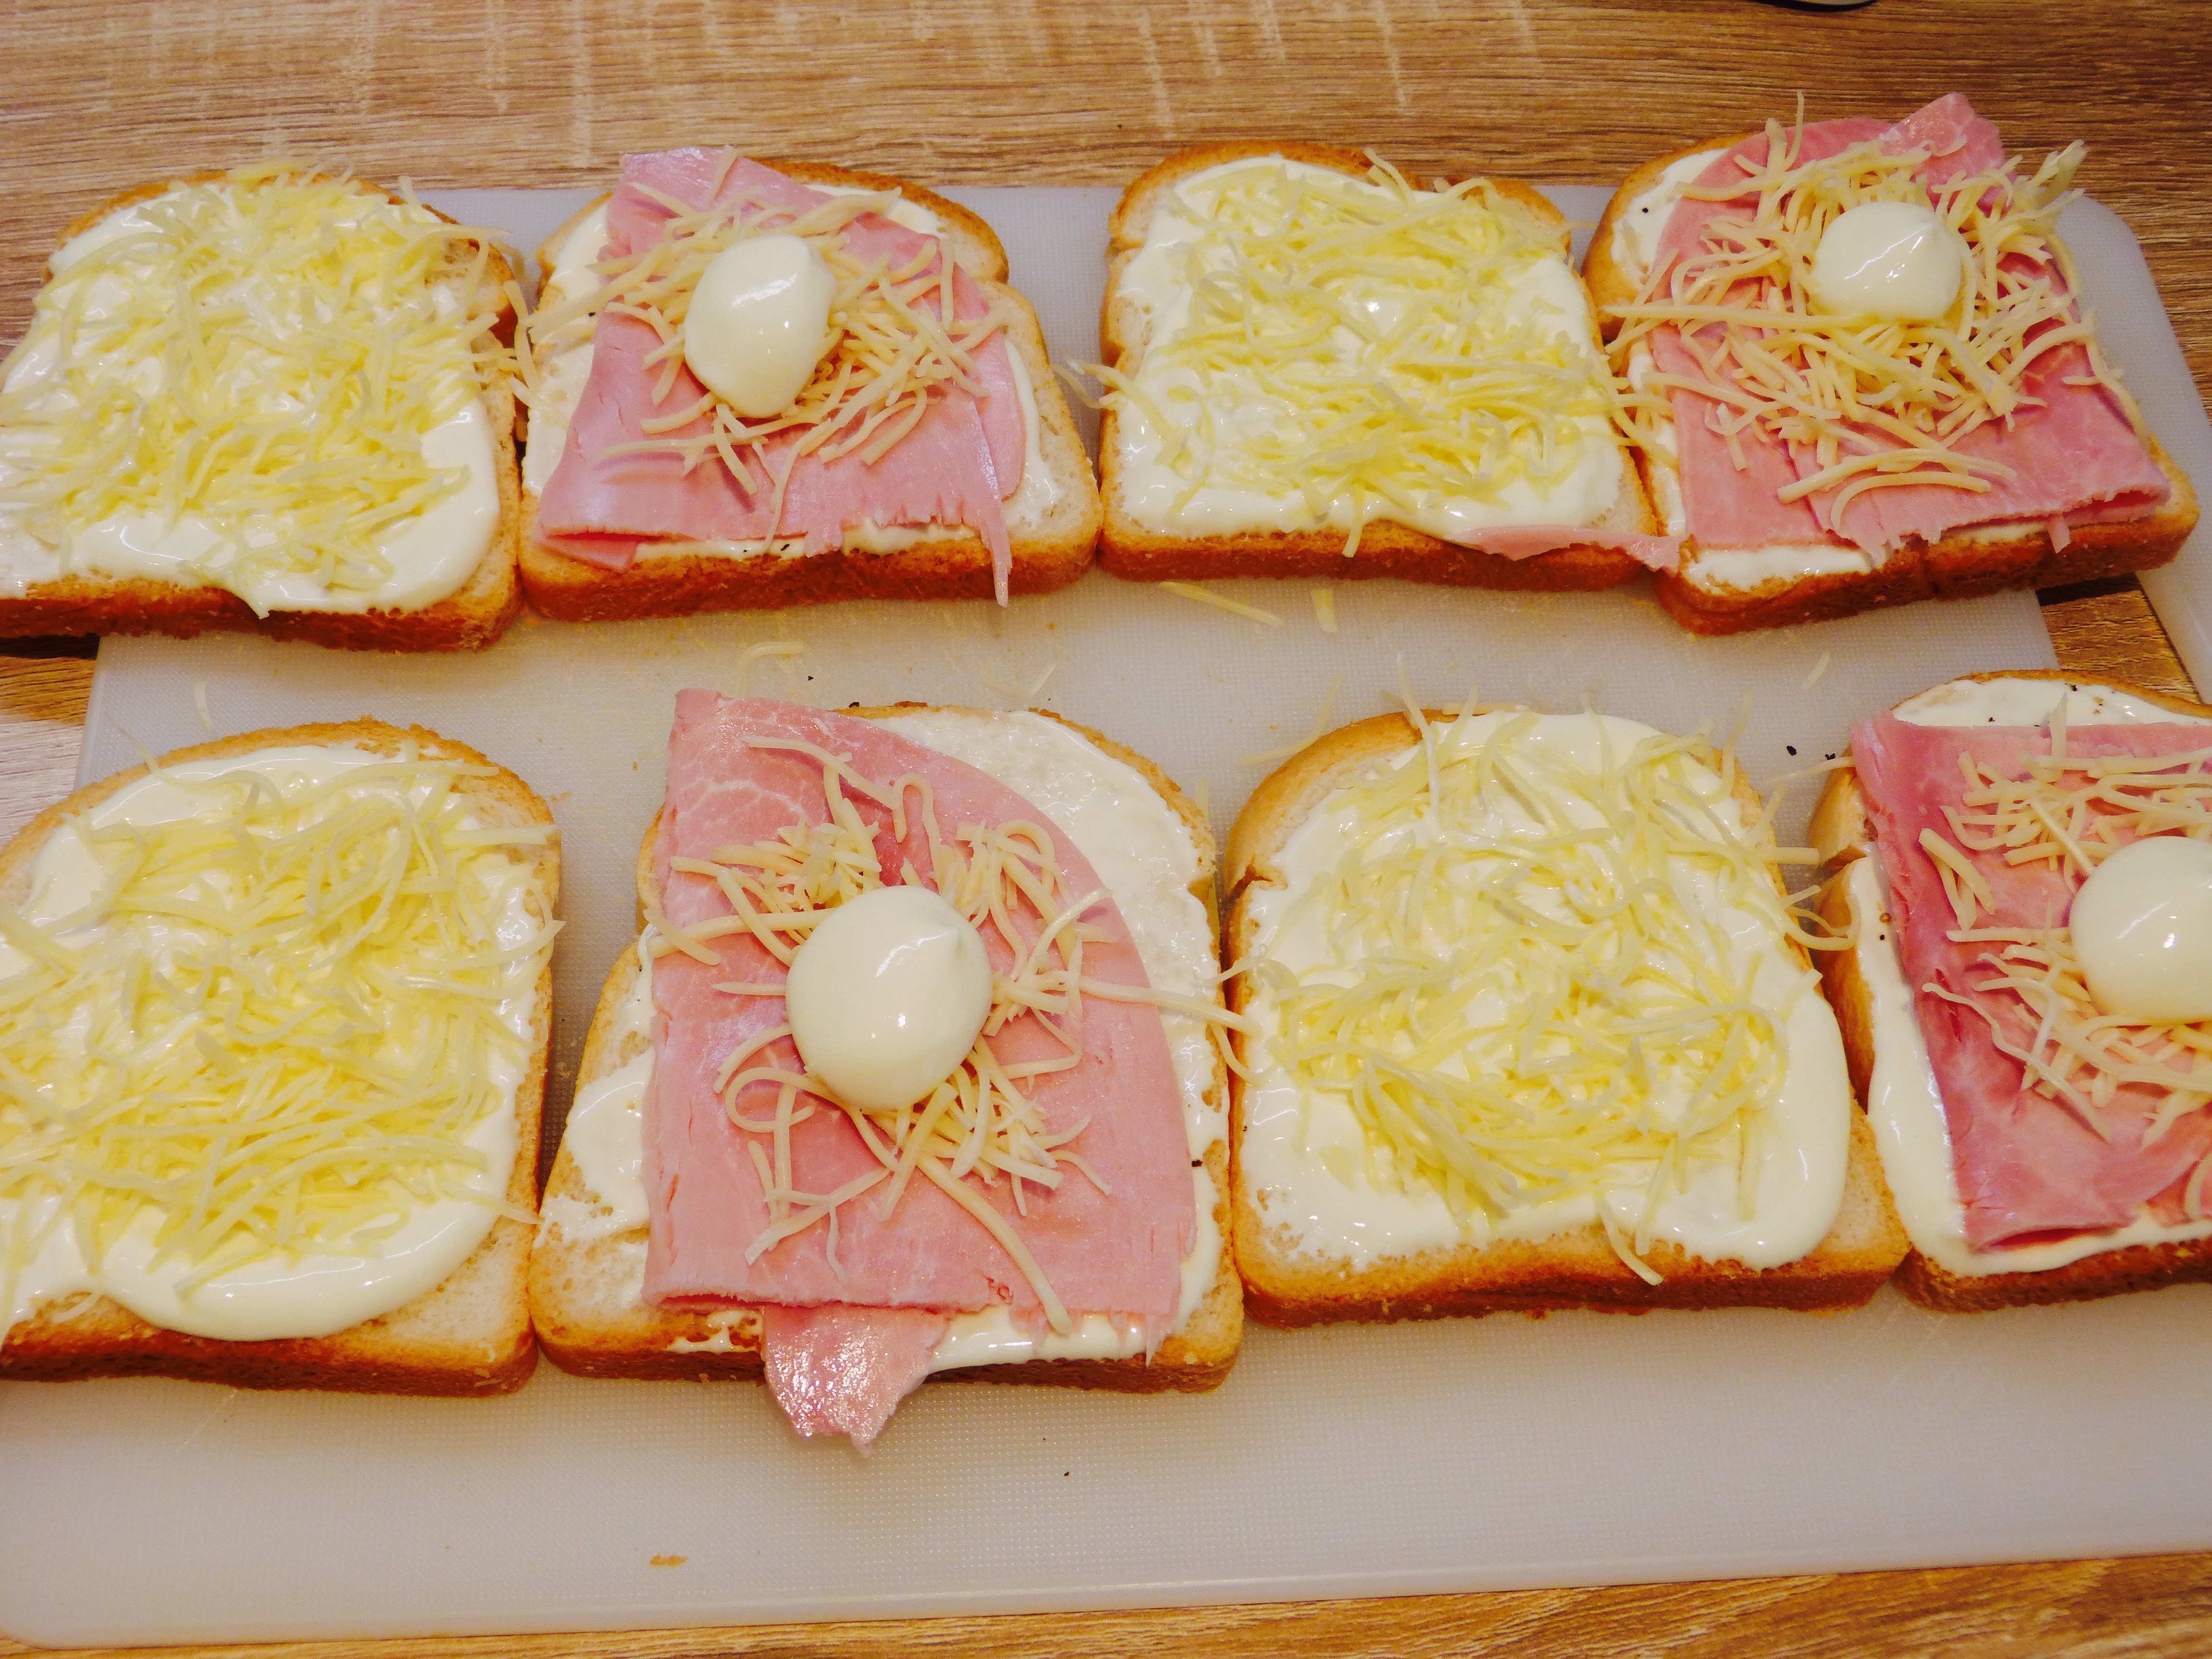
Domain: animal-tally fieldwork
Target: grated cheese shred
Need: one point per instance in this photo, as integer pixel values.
(274, 1026)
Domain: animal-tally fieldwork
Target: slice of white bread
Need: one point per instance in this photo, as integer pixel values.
(585, 1290)
(1288, 1286)
(1052, 540)
(468, 1336)
(1842, 834)
(1969, 561)
(1130, 548)
(469, 618)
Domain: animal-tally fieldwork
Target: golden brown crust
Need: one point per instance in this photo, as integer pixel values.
(470, 1336)
(1048, 552)
(584, 1299)
(1843, 834)
(1579, 1269)
(1129, 549)
(467, 619)
(1964, 564)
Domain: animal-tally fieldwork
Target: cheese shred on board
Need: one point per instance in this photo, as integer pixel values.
(1360, 338)
(272, 1024)
(895, 341)
(1781, 368)
(976, 1127)
(262, 353)
(2069, 815)
(1534, 986)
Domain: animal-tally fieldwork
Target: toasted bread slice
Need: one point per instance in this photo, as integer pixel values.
(468, 1336)
(1052, 537)
(468, 618)
(1131, 547)
(587, 1272)
(1726, 594)
(1290, 1284)
(1841, 834)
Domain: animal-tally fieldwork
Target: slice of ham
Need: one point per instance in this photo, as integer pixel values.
(843, 1370)
(954, 467)
(2025, 1165)
(2075, 454)
(1116, 1252)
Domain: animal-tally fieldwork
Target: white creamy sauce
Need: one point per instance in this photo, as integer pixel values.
(565, 370)
(1291, 1136)
(1905, 1105)
(1161, 498)
(1143, 852)
(1636, 232)
(278, 1295)
(430, 554)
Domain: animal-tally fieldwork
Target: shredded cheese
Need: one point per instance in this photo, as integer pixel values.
(1525, 973)
(262, 354)
(273, 1025)
(1878, 404)
(1221, 602)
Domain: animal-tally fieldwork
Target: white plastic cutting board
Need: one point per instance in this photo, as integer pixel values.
(1468, 1454)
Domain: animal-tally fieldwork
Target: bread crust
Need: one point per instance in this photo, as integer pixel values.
(584, 1297)
(1842, 834)
(468, 1336)
(1577, 1269)
(467, 619)
(1048, 552)
(1128, 549)
(1966, 563)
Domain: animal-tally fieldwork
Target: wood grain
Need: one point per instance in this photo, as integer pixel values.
(519, 93)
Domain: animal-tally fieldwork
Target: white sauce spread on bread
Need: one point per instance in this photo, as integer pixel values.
(411, 1213)
(1212, 421)
(400, 497)
(1142, 850)
(1328, 1191)
(1905, 1106)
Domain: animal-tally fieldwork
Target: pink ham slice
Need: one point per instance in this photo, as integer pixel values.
(843, 1370)
(1117, 1251)
(954, 467)
(2075, 452)
(2027, 1166)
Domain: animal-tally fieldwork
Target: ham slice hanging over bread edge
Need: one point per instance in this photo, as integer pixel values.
(586, 1300)
(1050, 548)
(1842, 832)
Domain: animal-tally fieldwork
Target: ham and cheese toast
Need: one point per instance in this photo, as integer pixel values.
(958, 472)
(675, 1245)
(1535, 1029)
(282, 1002)
(319, 446)
(1314, 368)
(1920, 411)
(2038, 1150)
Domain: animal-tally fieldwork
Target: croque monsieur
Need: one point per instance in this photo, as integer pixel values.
(754, 384)
(1863, 376)
(2027, 861)
(1531, 1027)
(912, 1072)
(264, 399)
(274, 1014)
(1314, 368)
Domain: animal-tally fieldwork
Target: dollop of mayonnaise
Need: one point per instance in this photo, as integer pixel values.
(2143, 931)
(887, 995)
(759, 322)
(1899, 260)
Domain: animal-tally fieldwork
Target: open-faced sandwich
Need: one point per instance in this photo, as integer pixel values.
(1315, 368)
(760, 383)
(1533, 1028)
(274, 1013)
(1864, 373)
(264, 400)
(2027, 860)
(911, 1074)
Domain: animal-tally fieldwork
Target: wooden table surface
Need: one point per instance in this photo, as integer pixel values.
(521, 93)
